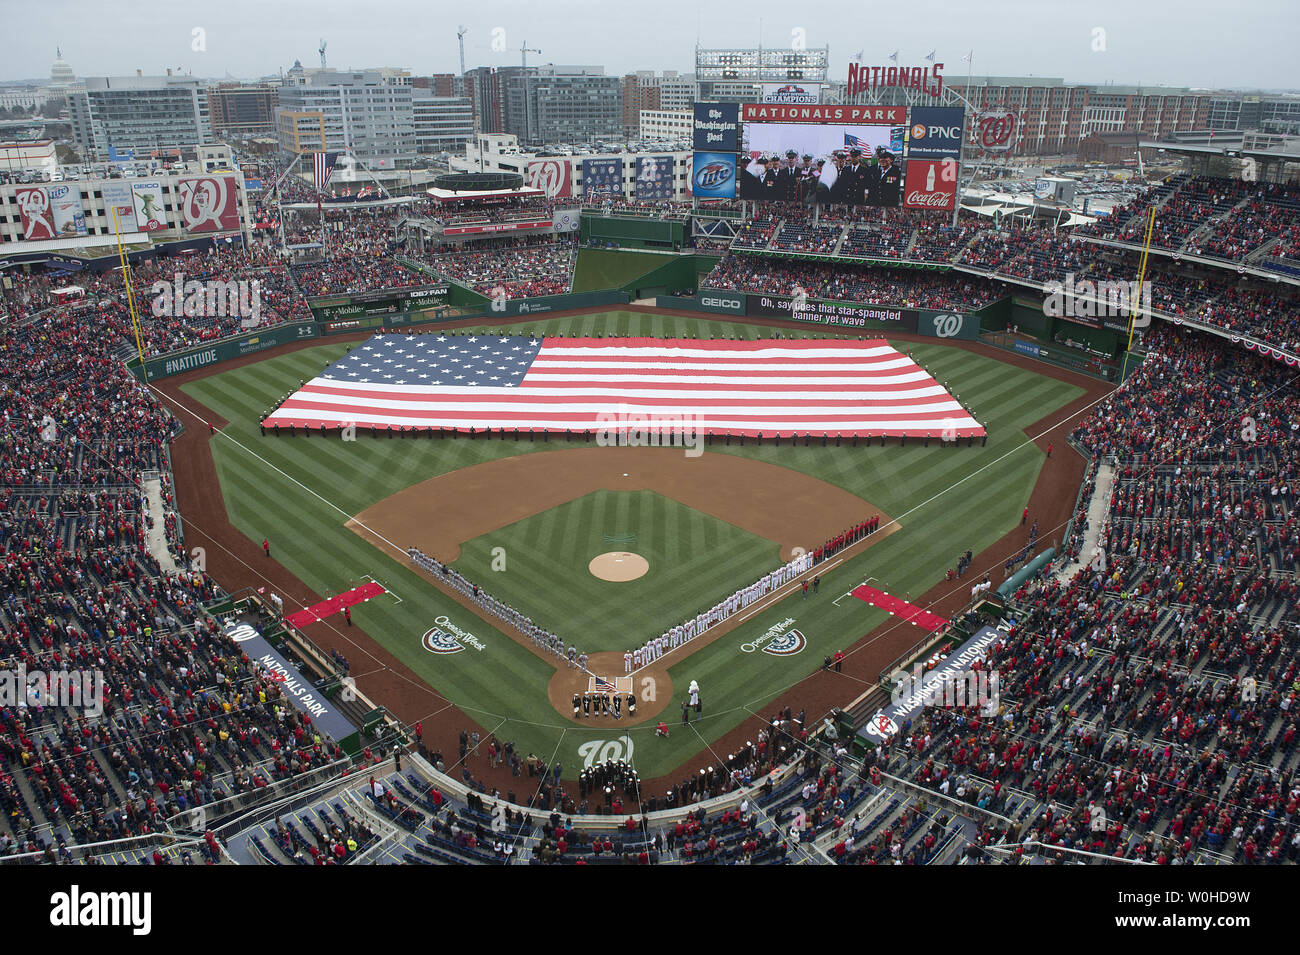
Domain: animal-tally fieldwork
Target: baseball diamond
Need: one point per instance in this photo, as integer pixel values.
(370, 498)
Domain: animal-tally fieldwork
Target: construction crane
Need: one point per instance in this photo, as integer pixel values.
(523, 61)
(460, 38)
(322, 53)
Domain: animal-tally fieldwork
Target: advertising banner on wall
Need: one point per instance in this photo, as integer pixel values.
(210, 204)
(654, 177)
(602, 177)
(551, 176)
(934, 132)
(833, 313)
(713, 176)
(717, 127)
(931, 184)
(150, 213)
(65, 206)
(117, 197)
(34, 209)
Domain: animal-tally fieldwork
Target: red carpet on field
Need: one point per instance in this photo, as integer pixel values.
(900, 608)
(334, 605)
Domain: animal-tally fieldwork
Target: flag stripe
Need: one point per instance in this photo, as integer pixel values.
(653, 386)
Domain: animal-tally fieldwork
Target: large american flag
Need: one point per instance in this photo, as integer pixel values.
(593, 384)
(322, 168)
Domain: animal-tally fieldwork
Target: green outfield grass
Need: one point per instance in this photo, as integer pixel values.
(947, 500)
(605, 269)
(690, 555)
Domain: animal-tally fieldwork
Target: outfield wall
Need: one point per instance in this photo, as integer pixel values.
(840, 316)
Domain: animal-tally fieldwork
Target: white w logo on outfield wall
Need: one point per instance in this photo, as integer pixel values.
(946, 326)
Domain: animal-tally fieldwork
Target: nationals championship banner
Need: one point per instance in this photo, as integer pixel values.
(654, 177)
(930, 184)
(551, 176)
(210, 204)
(117, 198)
(150, 213)
(602, 177)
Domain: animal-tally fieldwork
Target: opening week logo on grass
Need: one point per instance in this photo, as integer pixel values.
(446, 637)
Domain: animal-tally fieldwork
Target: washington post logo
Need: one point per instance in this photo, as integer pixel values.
(214, 298)
(1101, 299)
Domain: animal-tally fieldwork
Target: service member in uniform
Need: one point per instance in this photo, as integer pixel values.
(886, 181)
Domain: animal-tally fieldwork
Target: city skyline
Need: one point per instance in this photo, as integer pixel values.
(1105, 42)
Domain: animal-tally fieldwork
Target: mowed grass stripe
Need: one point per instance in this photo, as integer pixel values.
(310, 540)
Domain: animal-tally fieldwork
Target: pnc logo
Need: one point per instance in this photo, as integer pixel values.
(918, 131)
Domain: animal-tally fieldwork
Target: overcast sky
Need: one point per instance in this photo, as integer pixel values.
(1242, 43)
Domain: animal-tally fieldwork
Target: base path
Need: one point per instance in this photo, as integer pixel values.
(438, 515)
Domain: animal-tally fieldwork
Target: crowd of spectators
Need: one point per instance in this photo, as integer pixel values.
(1129, 724)
(187, 719)
(864, 284)
(519, 267)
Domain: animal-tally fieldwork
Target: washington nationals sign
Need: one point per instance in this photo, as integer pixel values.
(995, 130)
(210, 204)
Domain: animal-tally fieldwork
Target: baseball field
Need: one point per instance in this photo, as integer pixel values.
(524, 519)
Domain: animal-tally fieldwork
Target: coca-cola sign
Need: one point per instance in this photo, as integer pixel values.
(930, 184)
(995, 130)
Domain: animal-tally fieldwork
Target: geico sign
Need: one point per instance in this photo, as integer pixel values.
(721, 302)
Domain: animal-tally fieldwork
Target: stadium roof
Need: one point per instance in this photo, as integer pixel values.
(1209, 149)
(446, 195)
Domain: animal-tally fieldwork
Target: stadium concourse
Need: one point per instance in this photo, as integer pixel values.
(1148, 704)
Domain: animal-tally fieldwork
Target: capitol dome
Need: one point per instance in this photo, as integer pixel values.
(61, 73)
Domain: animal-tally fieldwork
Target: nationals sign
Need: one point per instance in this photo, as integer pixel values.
(995, 130)
(930, 184)
(210, 204)
(37, 216)
(551, 176)
(849, 115)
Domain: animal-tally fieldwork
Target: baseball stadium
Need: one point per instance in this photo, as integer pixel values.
(850, 507)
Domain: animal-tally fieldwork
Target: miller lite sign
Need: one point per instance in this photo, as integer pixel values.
(930, 184)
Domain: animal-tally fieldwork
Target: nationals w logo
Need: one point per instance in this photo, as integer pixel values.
(995, 130)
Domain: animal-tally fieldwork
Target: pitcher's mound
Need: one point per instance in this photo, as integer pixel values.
(619, 566)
